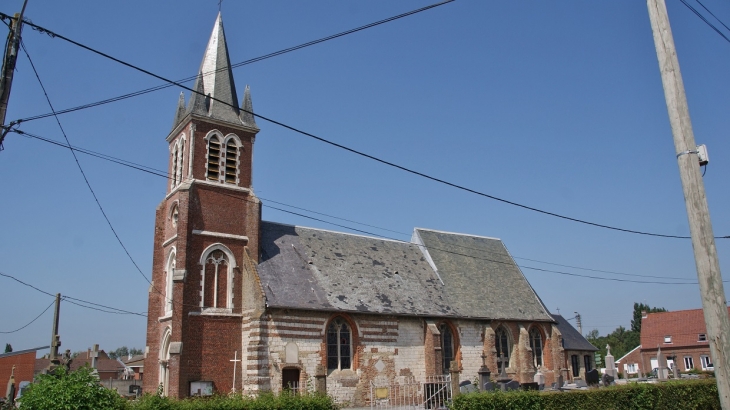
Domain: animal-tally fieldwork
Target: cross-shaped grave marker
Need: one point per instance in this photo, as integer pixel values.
(235, 361)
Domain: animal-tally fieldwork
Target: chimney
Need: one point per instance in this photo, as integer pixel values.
(88, 353)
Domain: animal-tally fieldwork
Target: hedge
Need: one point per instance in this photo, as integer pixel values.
(265, 401)
(696, 394)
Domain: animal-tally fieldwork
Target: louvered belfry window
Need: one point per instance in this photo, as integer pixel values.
(231, 160)
(214, 159)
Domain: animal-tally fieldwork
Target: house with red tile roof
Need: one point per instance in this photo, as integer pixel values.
(682, 337)
(107, 367)
(20, 365)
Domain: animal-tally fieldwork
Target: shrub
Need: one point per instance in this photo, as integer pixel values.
(63, 390)
(265, 401)
(696, 394)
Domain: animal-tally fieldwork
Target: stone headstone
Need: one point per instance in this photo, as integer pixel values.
(469, 388)
(592, 377)
(539, 378)
(607, 380)
(610, 364)
(580, 382)
(559, 382)
(488, 386)
(530, 386)
(513, 385)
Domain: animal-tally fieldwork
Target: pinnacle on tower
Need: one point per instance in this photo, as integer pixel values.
(180, 113)
(215, 80)
(247, 112)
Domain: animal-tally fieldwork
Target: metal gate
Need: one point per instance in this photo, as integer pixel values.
(406, 393)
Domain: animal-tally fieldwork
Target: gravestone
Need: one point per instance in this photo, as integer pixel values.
(580, 382)
(513, 385)
(661, 372)
(483, 371)
(539, 378)
(530, 386)
(610, 364)
(559, 381)
(592, 377)
(607, 380)
(488, 386)
(468, 388)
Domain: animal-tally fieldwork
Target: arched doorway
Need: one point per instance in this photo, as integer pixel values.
(164, 380)
(290, 380)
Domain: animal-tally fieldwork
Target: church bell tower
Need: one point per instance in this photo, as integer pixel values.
(206, 234)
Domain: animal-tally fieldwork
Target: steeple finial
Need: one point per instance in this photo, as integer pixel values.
(247, 109)
(180, 113)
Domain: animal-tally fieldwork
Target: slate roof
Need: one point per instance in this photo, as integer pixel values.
(23, 351)
(306, 268)
(572, 339)
(684, 326)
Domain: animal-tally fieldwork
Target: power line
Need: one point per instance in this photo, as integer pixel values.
(712, 14)
(69, 297)
(160, 174)
(78, 164)
(31, 322)
(698, 14)
(240, 64)
(365, 155)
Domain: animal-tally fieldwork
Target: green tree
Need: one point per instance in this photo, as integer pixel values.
(638, 308)
(77, 390)
(8, 348)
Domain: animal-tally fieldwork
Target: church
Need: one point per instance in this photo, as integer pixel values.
(240, 304)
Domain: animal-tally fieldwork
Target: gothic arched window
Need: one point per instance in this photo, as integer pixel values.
(536, 346)
(447, 347)
(217, 280)
(339, 345)
(214, 159)
(179, 152)
(169, 272)
(231, 167)
(502, 343)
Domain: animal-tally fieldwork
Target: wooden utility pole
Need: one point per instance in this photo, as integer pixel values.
(55, 339)
(714, 304)
(11, 56)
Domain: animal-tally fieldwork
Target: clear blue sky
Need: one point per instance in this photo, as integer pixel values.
(557, 105)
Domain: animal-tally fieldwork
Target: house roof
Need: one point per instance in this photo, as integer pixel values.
(627, 354)
(572, 339)
(684, 326)
(450, 275)
(23, 351)
(135, 361)
(103, 363)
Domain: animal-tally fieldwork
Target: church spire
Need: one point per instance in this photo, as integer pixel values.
(247, 109)
(180, 113)
(215, 80)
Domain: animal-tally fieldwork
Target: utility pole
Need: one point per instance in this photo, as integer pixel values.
(55, 338)
(11, 56)
(714, 303)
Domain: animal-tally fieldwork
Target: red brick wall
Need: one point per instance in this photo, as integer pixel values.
(24, 364)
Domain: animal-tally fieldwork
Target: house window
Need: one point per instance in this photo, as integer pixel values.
(536, 346)
(503, 347)
(587, 362)
(706, 362)
(702, 337)
(630, 368)
(689, 363)
(575, 364)
(216, 280)
(447, 347)
(667, 339)
(339, 345)
(214, 159)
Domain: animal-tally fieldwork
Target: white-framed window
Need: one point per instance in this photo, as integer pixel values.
(689, 363)
(339, 345)
(222, 158)
(169, 272)
(216, 294)
(631, 368)
(706, 362)
(536, 346)
(667, 339)
(701, 337)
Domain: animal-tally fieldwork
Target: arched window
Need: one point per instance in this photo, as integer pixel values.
(216, 275)
(164, 359)
(169, 272)
(503, 347)
(231, 166)
(174, 215)
(339, 345)
(174, 164)
(214, 159)
(536, 346)
(447, 346)
(179, 153)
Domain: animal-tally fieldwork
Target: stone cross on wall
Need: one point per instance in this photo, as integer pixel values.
(503, 364)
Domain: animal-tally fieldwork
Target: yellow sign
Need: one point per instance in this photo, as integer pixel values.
(381, 393)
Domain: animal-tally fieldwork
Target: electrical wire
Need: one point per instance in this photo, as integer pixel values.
(712, 14)
(78, 164)
(365, 155)
(160, 174)
(31, 322)
(240, 64)
(698, 14)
